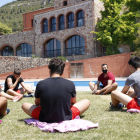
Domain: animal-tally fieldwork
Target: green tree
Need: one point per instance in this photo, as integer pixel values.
(115, 28)
(4, 29)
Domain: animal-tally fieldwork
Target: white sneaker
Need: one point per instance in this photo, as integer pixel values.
(17, 98)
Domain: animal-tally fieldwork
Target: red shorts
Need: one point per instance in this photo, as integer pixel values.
(36, 112)
(18, 91)
(133, 104)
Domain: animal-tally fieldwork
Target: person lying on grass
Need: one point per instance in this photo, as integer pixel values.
(132, 101)
(108, 81)
(55, 97)
(12, 84)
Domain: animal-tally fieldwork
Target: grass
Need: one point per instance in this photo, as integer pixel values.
(114, 124)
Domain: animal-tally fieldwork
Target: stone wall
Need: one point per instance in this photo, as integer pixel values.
(7, 64)
(14, 40)
(59, 3)
(63, 35)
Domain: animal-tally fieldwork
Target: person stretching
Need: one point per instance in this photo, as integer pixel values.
(55, 97)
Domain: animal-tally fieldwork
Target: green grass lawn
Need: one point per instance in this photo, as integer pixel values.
(114, 124)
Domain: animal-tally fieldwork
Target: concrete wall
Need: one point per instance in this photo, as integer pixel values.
(117, 64)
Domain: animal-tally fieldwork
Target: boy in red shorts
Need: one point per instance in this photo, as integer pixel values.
(132, 101)
(55, 97)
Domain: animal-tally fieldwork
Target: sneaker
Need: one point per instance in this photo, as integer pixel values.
(29, 95)
(17, 98)
(120, 105)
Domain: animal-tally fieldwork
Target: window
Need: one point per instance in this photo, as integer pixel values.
(52, 48)
(71, 20)
(80, 18)
(75, 46)
(65, 3)
(61, 22)
(45, 26)
(24, 50)
(7, 51)
(53, 24)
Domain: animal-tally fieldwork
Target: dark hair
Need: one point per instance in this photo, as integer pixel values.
(135, 62)
(56, 65)
(104, 65)
(17, 71)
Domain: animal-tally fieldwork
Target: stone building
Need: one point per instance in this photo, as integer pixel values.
(62, 30)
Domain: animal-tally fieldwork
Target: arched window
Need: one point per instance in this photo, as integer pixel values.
(71, 20)
(52, 48)
(80, 18)
(61, 22)
(45, 26)
(75, 45)
(7, 51)
(53, 24)
(24, 50)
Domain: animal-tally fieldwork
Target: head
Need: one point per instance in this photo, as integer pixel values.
(104, 68)
(134, 63)
(17, 73)
(56, 66)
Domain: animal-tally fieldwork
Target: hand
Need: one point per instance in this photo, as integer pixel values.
(18, 78)
(1, 86)
(97, 92)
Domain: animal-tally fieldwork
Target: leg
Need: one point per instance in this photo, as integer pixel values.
(2, 94)
(82, 105)
(3, 106)
(23, 91)
(12, 92)
(111, 88)
(118, 96)
(91, 85)
(28, 108)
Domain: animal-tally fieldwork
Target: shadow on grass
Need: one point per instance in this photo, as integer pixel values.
(117, 109)
(82, 116)
(22, 120)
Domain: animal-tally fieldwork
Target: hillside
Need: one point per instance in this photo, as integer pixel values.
(11, 13)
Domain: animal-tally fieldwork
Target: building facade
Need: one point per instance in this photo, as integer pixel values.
(62, 30)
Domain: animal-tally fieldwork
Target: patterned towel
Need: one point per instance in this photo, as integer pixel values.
(133, 110)
(65, 126)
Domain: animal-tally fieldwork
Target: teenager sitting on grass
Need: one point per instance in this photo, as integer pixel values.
(108, 81)
(12, 84)
(55, 97)
(132, 101)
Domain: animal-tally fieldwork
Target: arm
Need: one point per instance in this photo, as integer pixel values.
(125, 89)
(24, 86)
(10, 84)
(37, 101)
(73, 100)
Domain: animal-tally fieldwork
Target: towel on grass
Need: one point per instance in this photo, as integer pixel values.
(133, 110)
(64, 126)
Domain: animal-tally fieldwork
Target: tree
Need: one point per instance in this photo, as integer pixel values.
(4, 29)
(115, 28)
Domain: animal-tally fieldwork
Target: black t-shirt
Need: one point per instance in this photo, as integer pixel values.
(13, 81)
(55, 99)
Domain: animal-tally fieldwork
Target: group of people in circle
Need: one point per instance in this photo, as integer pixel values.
(55, 97)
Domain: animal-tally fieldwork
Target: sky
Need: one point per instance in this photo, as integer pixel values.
(3, 2)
